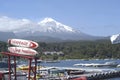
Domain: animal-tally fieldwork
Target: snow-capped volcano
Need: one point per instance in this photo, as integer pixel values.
(52, 25)
(22, 25)
(48, 27)
(45, 27)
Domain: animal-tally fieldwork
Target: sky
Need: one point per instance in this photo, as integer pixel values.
(94, 17)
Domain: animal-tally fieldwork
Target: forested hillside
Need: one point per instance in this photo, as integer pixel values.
(84, 49)
(78, 50)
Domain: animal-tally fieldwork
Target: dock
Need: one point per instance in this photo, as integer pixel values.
(94, 74)
(97, 76)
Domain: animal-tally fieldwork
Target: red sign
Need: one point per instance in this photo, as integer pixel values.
(22, 50)
(23, 43)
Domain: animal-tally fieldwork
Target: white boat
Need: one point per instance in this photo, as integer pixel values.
(118, 65)
(107, 64)
(111, 64)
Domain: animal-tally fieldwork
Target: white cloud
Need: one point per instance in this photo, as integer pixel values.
(9, 24)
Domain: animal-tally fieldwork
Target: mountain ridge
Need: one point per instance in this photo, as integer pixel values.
(48, 27)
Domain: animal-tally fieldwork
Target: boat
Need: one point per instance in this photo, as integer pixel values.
(111, 64)
(26, 67)
(118, 65)
(51, 73)
(106, 64)
(22, 67)
(75, 72)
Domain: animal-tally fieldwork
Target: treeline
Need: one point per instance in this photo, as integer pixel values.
(99, 49)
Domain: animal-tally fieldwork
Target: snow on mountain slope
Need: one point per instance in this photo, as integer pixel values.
(51, 25)
(25, 25)
(48, 27)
